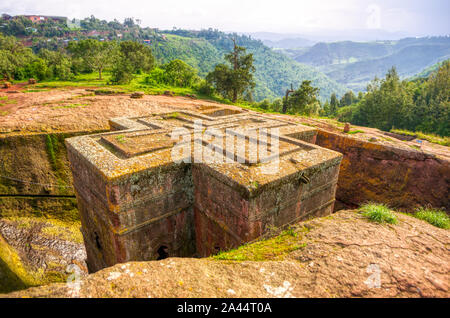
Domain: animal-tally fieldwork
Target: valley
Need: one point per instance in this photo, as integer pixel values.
(355, 64)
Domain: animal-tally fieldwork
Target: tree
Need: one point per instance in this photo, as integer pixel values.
(325, 111)
(431, 112)
(94, 54)
(129, 22)
(233, 80)
(13, 56)
(348, 99)
(131, 57)
(138, 55)
(304, 100)
(285, 103)
(38, 69)
(418, 105)
(58, 63)
(334, 104)
(387, 103)
(178, 73)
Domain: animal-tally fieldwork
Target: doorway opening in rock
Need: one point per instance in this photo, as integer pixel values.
(97, 241)
(163, 253)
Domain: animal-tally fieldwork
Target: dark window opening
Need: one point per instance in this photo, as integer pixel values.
(163, 253)
(97, 241)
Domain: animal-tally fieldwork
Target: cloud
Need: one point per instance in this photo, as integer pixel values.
(251, 15)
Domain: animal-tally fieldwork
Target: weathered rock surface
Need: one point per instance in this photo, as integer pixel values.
(137, 95)
(401, 177)
(342, 255)
(375, 168)
(36, 251)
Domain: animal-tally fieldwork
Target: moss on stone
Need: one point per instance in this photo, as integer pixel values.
(53, 228)
(63, 230)
(275, 248)
(13, 274)
(17, 274)
(63, 209)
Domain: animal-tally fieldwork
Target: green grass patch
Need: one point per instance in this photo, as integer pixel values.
(35, 90)
(103, 87)
(414, 147)
(172, 116)
(378, 213)
(56, 154)
(353, 132)
(255, 184)
(4, 113)
(434, 217)
(51, 143)
(71, 106)
(444, 141)
(121, 139)
(271, 249)
(4, 100)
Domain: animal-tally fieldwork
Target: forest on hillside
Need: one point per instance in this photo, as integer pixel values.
(201, 50)
(197, 59)
(421, 105)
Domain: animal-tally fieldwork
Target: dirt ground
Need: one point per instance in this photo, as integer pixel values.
(343, 255)
(78, 109)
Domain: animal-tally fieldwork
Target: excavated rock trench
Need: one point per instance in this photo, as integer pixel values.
(35, 181)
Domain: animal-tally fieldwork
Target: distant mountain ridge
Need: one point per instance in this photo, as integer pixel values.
(329, 36)
(289, 43)
(354, 64)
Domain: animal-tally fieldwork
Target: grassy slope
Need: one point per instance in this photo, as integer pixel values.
(425, 73)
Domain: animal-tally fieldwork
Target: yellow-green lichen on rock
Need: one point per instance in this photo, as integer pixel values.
(36, 251)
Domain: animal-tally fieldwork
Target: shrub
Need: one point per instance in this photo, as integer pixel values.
(379, 213)
(434, 217)
(265, 104)
(205, 88)
(122, 73)
(38, 69)
(180, 74)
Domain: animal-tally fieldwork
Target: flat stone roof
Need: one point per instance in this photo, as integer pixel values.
(145, 143)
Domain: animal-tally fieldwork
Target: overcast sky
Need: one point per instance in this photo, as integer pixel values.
(415, 17)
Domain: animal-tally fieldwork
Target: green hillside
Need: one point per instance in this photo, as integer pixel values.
(346, 52)
(200, 49)
(275, 72)
(425, 73)
(196, 52)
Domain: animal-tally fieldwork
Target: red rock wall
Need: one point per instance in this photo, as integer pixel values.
(400, 178)
(130, 219)
(225, 218)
